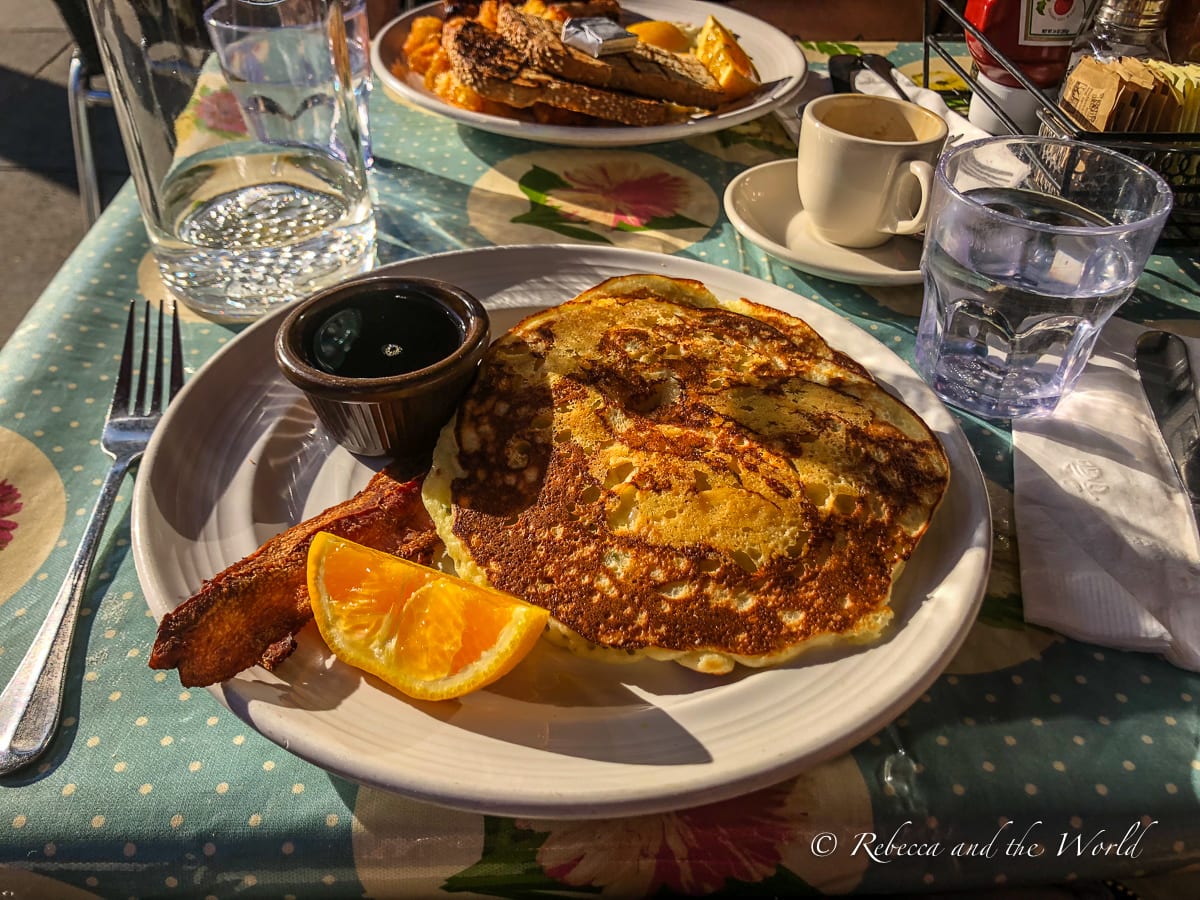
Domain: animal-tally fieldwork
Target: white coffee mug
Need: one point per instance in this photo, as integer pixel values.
(865, 167)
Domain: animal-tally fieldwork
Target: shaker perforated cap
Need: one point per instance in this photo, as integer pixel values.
(1132, 13)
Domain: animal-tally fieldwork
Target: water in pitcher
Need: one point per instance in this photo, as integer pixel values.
(275, 206)
(1015, 312)
(244, 232)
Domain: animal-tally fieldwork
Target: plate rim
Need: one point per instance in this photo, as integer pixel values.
(785, 255)
(479, 797)
(600, 136)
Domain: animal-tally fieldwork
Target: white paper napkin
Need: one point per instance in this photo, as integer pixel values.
(868, 82)
(1108, 546)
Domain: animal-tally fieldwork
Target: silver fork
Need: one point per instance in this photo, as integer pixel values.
(31, 703)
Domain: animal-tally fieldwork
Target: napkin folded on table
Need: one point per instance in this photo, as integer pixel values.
(867, 82)
(1108, 545)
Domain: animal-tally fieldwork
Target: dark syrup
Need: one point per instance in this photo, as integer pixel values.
(384, 333)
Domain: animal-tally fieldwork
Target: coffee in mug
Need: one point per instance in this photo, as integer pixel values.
(866, 166)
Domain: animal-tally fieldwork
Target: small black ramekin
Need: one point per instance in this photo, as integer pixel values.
(396, 415)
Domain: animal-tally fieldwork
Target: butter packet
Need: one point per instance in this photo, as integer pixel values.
(597, 36)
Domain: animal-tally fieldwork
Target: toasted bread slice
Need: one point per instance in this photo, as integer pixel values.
(645, 70)
(495, 70)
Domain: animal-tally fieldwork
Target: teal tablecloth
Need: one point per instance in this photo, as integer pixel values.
(1024, 761)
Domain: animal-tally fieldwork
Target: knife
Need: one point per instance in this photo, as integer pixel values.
(1166, 373)
(764, 92)
(843, 67)
(883, 67)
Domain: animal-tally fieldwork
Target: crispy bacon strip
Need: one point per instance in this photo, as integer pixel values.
(250, 613)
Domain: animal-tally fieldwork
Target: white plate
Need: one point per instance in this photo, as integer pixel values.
(763, 204)
(239, 456)
(775, 55)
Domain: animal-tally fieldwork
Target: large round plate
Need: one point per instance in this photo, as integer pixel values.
(239, 457)
(780, 63)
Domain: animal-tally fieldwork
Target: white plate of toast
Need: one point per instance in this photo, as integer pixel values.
(777, 59)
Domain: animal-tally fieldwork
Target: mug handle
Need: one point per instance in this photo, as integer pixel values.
(923, 173)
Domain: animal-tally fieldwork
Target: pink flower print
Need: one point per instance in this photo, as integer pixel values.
(626, 194)
(219, 111)
(9, 506)
(691, 852)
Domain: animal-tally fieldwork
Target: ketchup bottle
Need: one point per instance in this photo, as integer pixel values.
(1036, 37)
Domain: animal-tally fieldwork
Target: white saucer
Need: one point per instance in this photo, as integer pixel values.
(763, 204)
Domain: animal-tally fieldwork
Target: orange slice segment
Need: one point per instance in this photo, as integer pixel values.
(664, 35)
(429, 635)
(724, 57)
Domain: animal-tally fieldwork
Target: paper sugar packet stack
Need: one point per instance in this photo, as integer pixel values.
(1130, 94)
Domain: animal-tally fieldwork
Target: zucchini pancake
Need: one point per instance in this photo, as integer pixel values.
(683, 478)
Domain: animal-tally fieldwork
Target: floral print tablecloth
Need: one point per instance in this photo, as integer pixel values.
(1033, 759)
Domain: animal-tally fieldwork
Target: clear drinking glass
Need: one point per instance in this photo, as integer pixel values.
(245, 145)
(358, 42)
(1031, 246)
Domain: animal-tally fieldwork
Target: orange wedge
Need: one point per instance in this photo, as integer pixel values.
(664, 35)
(724, 57)
(429, 635)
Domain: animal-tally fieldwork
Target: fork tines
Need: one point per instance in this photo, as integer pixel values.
(160, 393)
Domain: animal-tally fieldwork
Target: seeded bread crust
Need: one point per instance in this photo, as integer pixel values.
(494, 69)
(645, 70)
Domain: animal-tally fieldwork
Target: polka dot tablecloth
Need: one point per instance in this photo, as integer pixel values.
(1032, 759)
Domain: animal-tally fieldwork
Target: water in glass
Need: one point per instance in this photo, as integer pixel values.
(1032, 245)
(244, 143)
(1013, 320)
(234, 249)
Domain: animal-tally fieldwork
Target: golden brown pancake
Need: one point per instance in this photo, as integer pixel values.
(682, 478)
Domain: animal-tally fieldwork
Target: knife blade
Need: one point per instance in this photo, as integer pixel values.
(1170, 387)
(883, 67)
(841, 68)
(764, 92)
